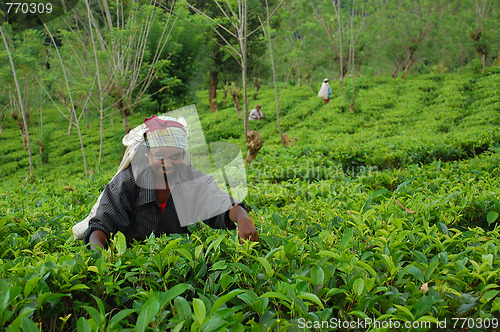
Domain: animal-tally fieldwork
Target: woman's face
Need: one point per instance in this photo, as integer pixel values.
(163, 160)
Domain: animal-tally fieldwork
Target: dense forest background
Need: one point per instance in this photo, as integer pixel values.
(107, 57)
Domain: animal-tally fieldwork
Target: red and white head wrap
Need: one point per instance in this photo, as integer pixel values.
(165, 131)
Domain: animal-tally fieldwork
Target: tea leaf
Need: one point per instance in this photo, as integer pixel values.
(335, 291)
(430, 270)
(358, 286)
(359, 314)
(121, 243)
(420, 257)
(16, 324)
(198, 251)
(214, 245)
(185, 253)
(495, 306)
(84, 325)
(100, 304)
(95, 315)
(423, 305)
(405, 311)
(369, 282)
(93, 269)
(317, 275)
(414, 271)
(488, 259)
(311, 297)
(489, 295)
(430, 319)
(266, 265)
(199, 310)
(491, 217)
(77, 287)
(116, 319)
(346, 238)
(276, 295)
(28, 325)
(32, 283)
(464, 307)
(366, 266)
(183, 308)
(249, 297)
(173, 292)
(148, 311)
(442, 228)
(4, 301)
(178, 327)
(215, 323)
(273, 252)
(219, 266)
(223, 299)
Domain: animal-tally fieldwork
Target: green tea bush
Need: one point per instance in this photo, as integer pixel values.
(390, 214)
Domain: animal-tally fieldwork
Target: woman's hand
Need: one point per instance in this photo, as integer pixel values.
(97, 239)
(246, 229)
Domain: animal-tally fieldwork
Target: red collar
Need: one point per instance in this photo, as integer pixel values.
(162, 205)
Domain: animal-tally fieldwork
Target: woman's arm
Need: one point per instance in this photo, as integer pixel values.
(246, 229)
(112, 214)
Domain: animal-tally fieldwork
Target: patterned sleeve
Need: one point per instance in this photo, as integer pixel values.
(113, 213)
(199, 198)
(222, 221)
(215, 199)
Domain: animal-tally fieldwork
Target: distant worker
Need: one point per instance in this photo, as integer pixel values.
(325, 91)
(256, 113)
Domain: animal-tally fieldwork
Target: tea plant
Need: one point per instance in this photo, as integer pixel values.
(387, 214)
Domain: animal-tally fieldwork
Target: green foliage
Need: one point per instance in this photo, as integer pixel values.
(390, 213)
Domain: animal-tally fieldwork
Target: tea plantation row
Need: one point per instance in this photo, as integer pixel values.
(388, 214)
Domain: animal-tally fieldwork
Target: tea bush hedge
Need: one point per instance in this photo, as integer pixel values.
(387, 214)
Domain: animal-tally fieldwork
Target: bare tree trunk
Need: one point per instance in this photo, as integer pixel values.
(283, 141)
(338, 5)
(256, 82)
(225, 90)
(236, 95)
(25, 122)
(71, 109)
(243, 35)
(481, 49)
(99, 86)
(125, 72)
(3, 116)
(409, 62)
(299, 78)
(482, 9)
(71, 121)
(395, 73)
(20, 125)
(87, 116)
(86, 74)
(239, 23)
(42, 143)
(352, 105)
(124, 113)
(212, 91)
(310, 81)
